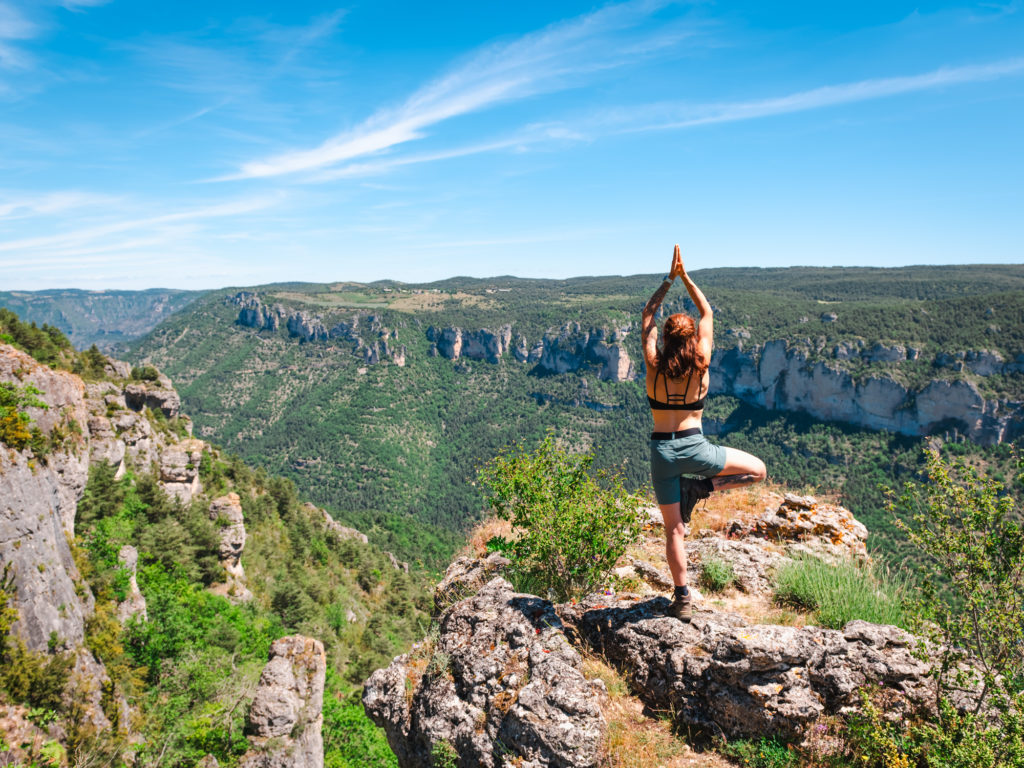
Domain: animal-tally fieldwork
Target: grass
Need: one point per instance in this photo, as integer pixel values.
(633, 738)
(840, 593)
(716, 575)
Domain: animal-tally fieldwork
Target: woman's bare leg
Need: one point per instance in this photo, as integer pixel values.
(741, 468)
(675, 542)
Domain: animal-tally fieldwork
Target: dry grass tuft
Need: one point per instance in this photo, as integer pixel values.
(484, 531)
(635, 740)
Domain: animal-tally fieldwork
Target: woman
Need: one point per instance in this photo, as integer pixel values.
(685, 467)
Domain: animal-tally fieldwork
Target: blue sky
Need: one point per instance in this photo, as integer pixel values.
(198, 145)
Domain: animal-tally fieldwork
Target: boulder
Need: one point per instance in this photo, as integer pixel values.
(465, 577)
(500, 686)
(822, 530)
(286, 716)
(723, 676)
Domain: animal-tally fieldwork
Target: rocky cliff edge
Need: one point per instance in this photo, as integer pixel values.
(499, 681)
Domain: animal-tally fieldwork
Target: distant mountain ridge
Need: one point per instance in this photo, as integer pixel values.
(103, 318)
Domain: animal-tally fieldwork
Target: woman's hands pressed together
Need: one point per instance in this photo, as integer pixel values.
(677, 269)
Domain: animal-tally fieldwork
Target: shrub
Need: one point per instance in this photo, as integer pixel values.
(716, 574)
(145, 373)
(569, 526)
(838, 593)
(971, 601)
(763, 753)
(14, 421)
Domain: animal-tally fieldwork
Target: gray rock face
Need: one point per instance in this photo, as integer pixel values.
(503, 687)
(454, 343)
(751, 561)
(158, 398)
(572, 348)
(286, 716)
(228, 510)
(723, 675)
(823, 530)
(179, 469)
(465, 576)
(37, 510)
(134, 603)
(776, 375)
(341, 531)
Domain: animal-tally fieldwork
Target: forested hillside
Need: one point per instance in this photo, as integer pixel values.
(103, 318)
(355, 393)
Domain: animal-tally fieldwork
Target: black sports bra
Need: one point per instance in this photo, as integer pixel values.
(673, 403)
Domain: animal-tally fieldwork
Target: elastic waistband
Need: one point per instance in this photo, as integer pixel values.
(675, 435)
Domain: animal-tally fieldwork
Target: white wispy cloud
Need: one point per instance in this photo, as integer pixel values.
(20, 206)
(79, 238)
(80, 5)
(14, 27)
(555, 58)
(675, 116)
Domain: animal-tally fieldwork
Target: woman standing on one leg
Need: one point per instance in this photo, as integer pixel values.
(685, 466)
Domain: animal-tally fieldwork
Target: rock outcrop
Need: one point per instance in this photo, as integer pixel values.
(569, 348)
(307, 326)
(179, 469)
(286, 716)
(780, 375)
(822, 530)
(37, 510)
(500, 686)
(134, 603)
(102, 421)
(227, 510)
(720, 674)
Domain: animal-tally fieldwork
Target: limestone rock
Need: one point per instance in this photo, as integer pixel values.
(341, 531)
(157, 397)
(134, 603)
(228, 510)
(721, 674)
(286, 716)
(502, 687)
(179, 469)
(779, 375)
(824, 530)
(752, 561)
(571, 348)
(397, 564)
(465, 577)
(37, 511)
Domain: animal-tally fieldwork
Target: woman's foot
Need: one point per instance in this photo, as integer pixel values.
(692, 490)
(681, 606)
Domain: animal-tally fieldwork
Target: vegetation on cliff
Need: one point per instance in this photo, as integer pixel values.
(191, 667)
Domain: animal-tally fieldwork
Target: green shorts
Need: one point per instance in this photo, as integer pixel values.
(672, 460)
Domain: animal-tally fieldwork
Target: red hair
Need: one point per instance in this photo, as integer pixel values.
(679, 353)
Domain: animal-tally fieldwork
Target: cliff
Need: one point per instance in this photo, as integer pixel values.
(851, 381)
(504, 679)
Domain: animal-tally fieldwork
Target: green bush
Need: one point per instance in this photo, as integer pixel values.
(716, 574)
(762, 753)
(570, 526)
(14, 421)
(145, 373)
(838, 593)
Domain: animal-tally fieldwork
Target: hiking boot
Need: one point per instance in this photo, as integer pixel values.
(681, 608)
(687, 499)
(692, 490)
